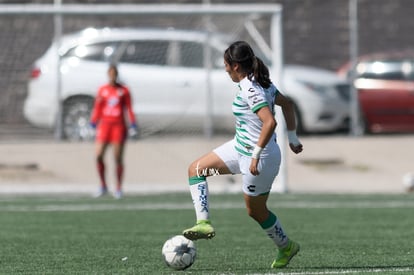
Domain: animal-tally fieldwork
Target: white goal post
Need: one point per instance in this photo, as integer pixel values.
(272, 48)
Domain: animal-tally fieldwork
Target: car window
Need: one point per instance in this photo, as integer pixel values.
(217, 56)
(168, 53)
(191, 54)
(97, 51)
(386, 69)
(409, 70)
(146, 52)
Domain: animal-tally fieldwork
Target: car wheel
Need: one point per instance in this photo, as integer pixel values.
(76, 116)
(363, 124)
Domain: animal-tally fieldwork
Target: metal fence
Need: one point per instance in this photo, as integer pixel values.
(52, 22)
(319, 33)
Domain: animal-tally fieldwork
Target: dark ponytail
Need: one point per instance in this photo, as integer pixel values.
(241, 52)
(261, 73)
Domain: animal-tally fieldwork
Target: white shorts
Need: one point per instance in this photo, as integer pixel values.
(239, 164)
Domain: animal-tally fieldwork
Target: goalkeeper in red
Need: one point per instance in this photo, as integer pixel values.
(112, 105)
(253, 152)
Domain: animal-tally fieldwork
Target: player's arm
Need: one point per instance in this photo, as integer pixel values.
(97, 109)
(133, 131)
(128, 107)
(268, 128)
(289, 114)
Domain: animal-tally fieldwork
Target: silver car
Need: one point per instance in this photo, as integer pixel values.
(165, 71)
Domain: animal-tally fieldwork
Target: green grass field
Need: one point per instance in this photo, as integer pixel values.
(339, 234)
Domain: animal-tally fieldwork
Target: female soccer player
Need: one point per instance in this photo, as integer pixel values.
(253, 152)
(108, 115)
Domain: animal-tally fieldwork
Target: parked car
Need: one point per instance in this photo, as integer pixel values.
(320, 97)
(385, 85)
(165, 73)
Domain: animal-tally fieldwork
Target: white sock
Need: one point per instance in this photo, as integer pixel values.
(199, 194)
(274, 230)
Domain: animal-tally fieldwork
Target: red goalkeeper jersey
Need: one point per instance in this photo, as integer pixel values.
(111, 103)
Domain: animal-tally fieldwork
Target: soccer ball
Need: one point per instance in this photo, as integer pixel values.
(408, 182)
(179, 252)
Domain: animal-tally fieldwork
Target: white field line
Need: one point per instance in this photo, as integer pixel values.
(349, 271)
(11, 206)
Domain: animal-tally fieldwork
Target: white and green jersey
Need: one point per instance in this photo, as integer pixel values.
(251, 98)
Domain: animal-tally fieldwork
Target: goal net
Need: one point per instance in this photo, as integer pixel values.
(170, 56)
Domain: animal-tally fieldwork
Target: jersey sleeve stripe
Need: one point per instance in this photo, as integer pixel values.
(259, 106)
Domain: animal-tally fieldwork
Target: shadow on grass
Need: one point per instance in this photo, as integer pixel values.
(377, 269)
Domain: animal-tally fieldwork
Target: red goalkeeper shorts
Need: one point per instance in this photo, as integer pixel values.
(111, 132)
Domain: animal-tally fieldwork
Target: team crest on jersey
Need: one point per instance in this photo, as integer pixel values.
(113, 101)
(120, 92)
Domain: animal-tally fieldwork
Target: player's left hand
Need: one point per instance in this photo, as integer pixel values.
(253, 167)
(294, 142)
(296, 148)
(133, 132)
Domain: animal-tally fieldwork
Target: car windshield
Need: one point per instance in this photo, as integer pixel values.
(103, 51)
(167, 53)
(175, 53)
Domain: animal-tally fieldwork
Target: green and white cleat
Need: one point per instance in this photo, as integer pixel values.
(285, 255)
(202, 230)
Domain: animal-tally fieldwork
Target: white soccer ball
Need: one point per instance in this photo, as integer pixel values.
(408, 182)
(179, 252)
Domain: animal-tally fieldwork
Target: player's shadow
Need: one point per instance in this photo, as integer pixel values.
(323, 269)
(383, 268)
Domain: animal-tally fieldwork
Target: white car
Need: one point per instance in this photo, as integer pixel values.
(322, 100)
(164, 69)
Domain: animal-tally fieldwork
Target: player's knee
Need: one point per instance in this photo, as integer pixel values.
(257, 214)
(99, 158)
(252, 214)
(196, 170)
(192, 169)
(118, 161)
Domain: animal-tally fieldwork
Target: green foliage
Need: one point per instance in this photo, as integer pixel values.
(354, 234)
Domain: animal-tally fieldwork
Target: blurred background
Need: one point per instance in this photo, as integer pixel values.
(347, 65)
